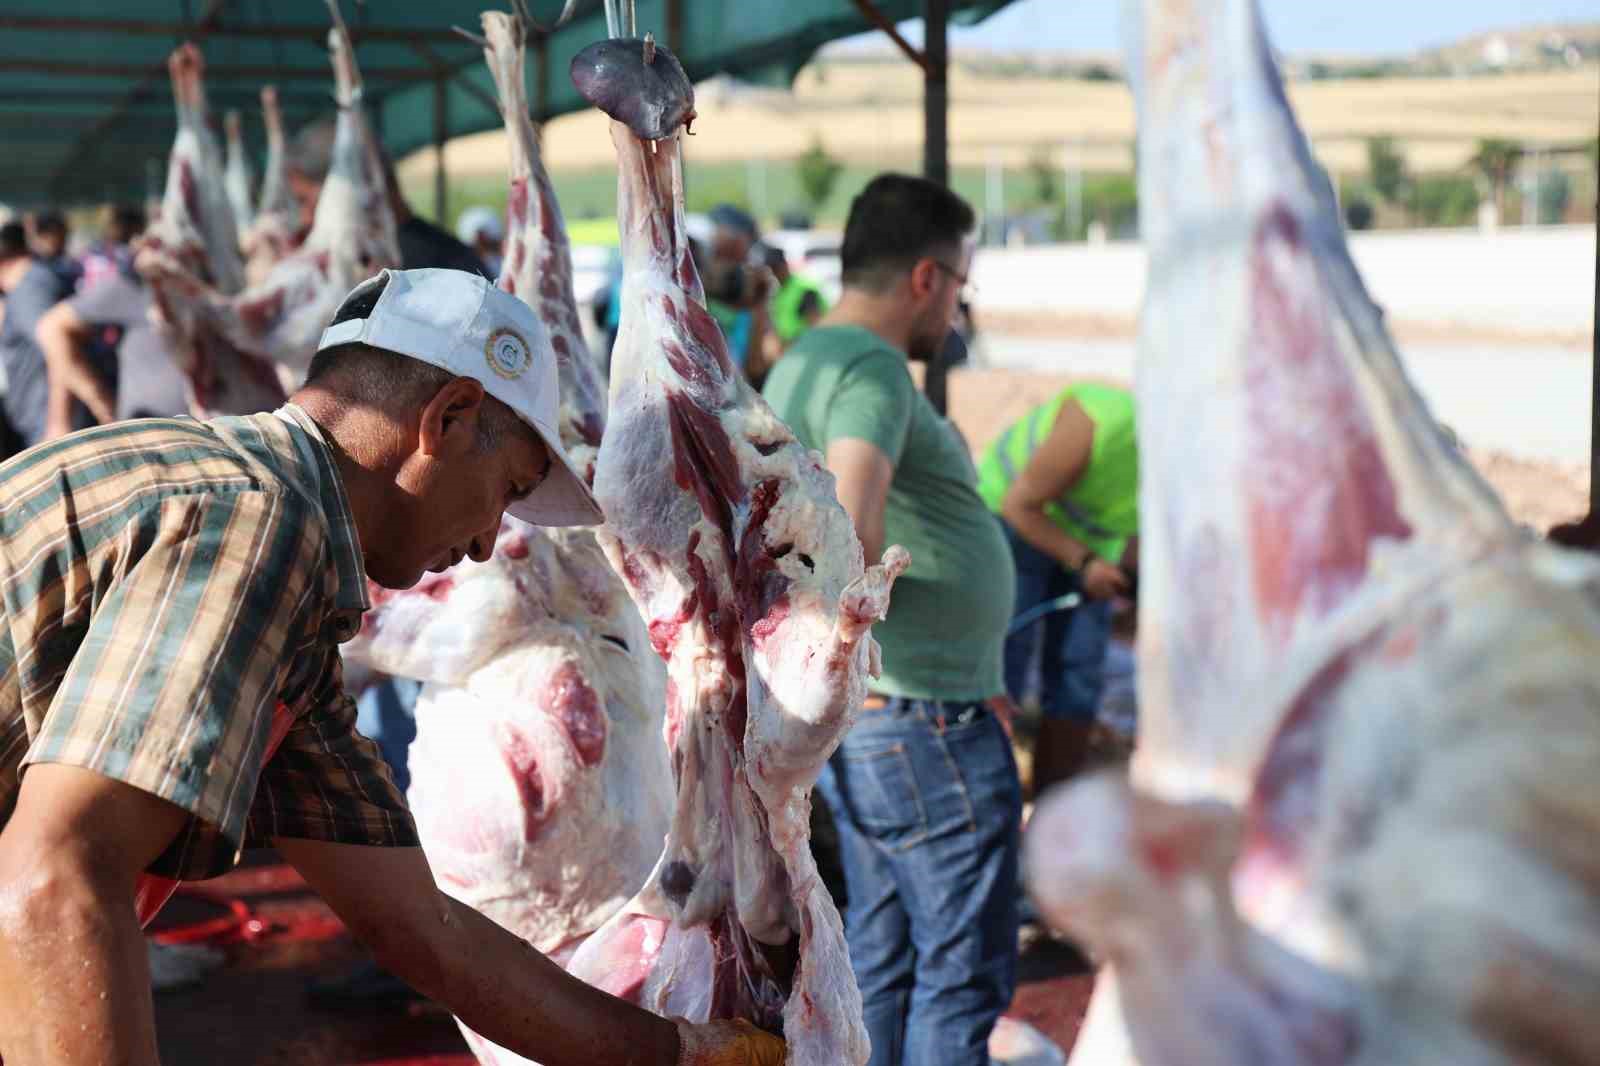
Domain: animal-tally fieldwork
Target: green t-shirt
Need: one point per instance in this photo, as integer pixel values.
(948, 614)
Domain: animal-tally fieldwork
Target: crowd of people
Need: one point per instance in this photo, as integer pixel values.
(1019, 558)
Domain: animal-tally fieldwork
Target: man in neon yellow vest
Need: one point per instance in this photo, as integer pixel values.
(1065, 482)
(798, 303)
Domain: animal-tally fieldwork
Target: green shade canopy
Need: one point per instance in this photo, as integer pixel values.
(86, 109)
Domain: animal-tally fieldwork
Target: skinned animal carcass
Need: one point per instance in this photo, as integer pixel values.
(729, 538)
(236, 178)
(539, 782)
(193, 245)
(271, 234)
(239, 345)
(1361, 818)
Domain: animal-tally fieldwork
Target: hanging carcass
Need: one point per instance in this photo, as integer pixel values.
(539, 732)
(236, 177)
(749, 575)
(245, 349)
(271, 234)
(1362, 816)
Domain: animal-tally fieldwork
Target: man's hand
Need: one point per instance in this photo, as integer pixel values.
(1102, 580)
(495, 982)
(728, 1043)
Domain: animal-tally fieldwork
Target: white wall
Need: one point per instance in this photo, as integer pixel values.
(1537, 278)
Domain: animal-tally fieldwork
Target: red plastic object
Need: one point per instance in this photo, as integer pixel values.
(235, 923)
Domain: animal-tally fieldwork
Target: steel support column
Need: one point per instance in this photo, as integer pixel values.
(936, 92)
(441, 133)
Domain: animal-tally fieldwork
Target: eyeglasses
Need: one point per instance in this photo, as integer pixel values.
(969, 291)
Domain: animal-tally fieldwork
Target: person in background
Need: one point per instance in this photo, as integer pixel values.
(480, 229)
(422, 244)
(31, 288)
(737, 290)
(50, 248)
(924, 788)
(112, 254)
(1064, 480)
(798, 303)
(141, 379)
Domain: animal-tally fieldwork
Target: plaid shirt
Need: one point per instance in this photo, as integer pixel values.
(165, 584)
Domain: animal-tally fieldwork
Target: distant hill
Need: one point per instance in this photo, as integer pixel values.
(1523, 49)
(1519, 49)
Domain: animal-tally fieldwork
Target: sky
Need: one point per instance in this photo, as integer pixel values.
(1296, 26)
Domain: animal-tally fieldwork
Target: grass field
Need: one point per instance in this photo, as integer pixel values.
(868, 114)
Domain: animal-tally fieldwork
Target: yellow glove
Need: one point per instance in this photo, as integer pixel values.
(727, 1043)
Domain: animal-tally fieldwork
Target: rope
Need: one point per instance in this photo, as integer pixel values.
(1039, 610)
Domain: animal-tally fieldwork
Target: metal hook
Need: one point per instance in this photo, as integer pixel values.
(621, 20)
(531, 24)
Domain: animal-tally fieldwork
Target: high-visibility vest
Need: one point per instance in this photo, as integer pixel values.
(786, 319)
(1101, 510)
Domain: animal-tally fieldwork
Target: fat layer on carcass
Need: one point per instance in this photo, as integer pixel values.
(749, 575)
(235, 348)
(1361, 819)
(538, 779)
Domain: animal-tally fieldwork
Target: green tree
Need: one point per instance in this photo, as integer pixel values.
(1446, 200)
(817, 172)
(1495, 159)
(1386, 169)
(1045, 176)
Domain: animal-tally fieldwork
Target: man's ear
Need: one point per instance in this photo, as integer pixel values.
(923, 277)
(449, 423)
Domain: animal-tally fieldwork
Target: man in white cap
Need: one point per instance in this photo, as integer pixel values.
(479, 228)
(174, 593)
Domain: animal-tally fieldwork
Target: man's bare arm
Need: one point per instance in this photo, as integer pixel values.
(493, 981)
(61, 334)
(74, 981)
(1055, 466)
(862, 473)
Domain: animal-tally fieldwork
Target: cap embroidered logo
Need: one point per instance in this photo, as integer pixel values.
(507, 353)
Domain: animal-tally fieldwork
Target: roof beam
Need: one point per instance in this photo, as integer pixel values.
(317, 34)
(252, 71)
(456, 75)
(152, 77)
(870, 12)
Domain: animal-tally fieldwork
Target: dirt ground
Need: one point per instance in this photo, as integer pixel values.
(1538, 493)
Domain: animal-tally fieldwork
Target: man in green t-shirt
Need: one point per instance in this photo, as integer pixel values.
(924, 787)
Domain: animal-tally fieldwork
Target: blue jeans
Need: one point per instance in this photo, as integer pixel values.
(928, 807)
(386, 714)
(1072, 658)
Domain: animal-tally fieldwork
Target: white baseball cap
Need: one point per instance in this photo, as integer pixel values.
(476, 220)
(461, 323)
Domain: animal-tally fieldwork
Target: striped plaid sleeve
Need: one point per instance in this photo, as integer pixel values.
(327, 781)
(173, 685)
